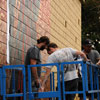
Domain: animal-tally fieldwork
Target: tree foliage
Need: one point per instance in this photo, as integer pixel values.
(91, 21)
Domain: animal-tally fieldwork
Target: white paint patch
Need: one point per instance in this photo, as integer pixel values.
(8, 59)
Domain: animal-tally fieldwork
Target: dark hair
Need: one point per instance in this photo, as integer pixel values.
(52, 45)
(43, 39)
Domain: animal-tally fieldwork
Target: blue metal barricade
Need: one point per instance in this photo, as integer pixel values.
(83, 80)
(94, 81)
(1, 81)
(50, 94)
(91, 78)
(13, 67)
(52, 82)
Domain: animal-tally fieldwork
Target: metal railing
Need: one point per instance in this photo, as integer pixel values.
(90, 75)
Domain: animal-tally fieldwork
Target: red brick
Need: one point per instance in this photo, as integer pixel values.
(3, 15)
(15, 22)
(3, 4)
(1, 59)
(3, 37)
(4, 60)
(3, 26)
(2, 48)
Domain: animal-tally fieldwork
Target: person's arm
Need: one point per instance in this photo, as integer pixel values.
(34, 70)
(98, 63)
(47, 74)
(82, 55)
(48, 70)
(76, 52)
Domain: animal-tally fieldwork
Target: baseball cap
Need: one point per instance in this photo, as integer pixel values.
(88, 42)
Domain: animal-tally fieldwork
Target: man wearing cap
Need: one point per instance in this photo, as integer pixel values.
(94, 57)
(91, 54)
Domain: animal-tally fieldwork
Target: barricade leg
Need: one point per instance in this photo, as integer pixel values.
(97, 81)
(83, 79)
(29, 84)
(51, 83)
(91, 82)
(0, 81)
(4, 84)
(13, 82)
(58, 78)
(24, 84)
(63, 84)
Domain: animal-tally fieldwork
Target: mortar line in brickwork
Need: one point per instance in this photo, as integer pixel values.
(18, 48)
(20, 41)
(31, 11)
(35, 5)
(3, 32)
(4, 12)
(29, 18)
(27, 25)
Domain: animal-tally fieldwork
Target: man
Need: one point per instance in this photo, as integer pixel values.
(65, 55)
(33, 57)
(91, 54)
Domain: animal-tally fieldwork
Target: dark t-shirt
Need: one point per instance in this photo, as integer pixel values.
(93, 56)
(33, 53)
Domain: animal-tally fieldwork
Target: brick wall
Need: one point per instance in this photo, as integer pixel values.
(3, 29)
(60, 20)
(30, 19)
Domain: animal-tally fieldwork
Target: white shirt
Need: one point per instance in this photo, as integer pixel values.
(65, 55)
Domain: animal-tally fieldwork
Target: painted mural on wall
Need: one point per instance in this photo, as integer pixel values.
(29, 19)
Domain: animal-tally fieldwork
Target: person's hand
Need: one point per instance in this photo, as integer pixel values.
(98, 63)
(41, 89)
(38, 82)
(82, 54)
(88, 60)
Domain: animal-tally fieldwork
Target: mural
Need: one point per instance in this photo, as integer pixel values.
(29, 19)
